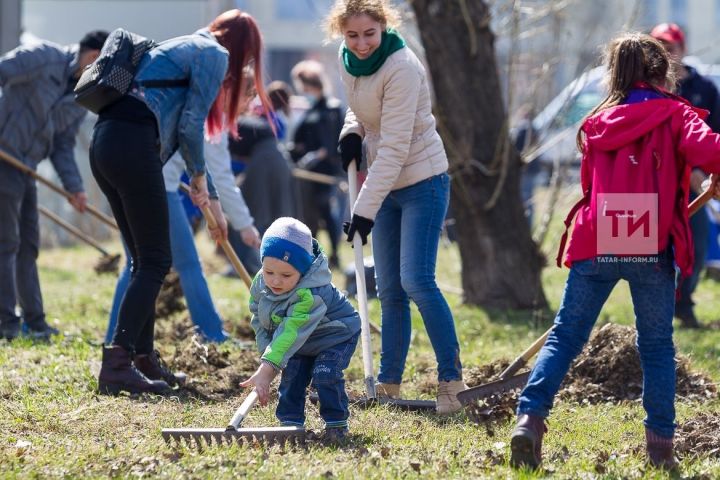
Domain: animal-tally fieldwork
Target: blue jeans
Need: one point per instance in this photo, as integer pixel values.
(19, 246)
(405, 244)
(326, 372)
(186, 263)
(652, 287)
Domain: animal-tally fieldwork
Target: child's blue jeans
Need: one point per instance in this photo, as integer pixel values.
(652, 286)
(326, 373)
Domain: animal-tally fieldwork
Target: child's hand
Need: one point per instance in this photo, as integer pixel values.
(261, 381)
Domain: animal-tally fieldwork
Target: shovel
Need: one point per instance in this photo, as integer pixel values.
(29, 171)
(507, 380)
(233, 433)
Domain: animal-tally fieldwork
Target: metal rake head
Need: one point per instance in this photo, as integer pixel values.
(207, 437)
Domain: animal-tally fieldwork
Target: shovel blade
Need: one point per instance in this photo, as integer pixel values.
(472, 395)
(220, 436)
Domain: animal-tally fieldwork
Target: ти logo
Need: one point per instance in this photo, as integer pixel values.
(627, 223)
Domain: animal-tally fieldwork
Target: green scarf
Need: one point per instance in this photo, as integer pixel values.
(390, 43)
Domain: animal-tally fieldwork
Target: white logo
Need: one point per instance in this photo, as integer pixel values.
(632, 159)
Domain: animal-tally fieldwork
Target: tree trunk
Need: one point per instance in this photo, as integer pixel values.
(501, 265)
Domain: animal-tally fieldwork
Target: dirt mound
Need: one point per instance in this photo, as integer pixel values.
(699, 436)
(214, 372)
(608, 370)
(169, 300)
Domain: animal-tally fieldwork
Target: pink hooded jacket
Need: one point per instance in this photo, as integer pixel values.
(647, 147)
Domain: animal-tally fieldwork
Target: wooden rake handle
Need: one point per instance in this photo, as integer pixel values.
(29, 171)
(227, 248)
(700, 201)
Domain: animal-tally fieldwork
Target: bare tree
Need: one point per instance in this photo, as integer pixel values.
(501, 264)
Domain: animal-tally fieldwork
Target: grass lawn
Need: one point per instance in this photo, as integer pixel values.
(53, 424)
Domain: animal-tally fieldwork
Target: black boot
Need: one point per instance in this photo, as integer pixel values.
(119, 374)
(38, 330)
(154, 368)
(526, 442)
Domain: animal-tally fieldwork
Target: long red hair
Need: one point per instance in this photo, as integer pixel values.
(239, 33)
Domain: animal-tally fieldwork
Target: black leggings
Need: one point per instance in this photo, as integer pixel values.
(125, 161)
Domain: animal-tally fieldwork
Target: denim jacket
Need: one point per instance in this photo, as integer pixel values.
(181, 111)
(38, 116)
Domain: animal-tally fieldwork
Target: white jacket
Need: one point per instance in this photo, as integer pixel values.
(391, 110)
(217, 159)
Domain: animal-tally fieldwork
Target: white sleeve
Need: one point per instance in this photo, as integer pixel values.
(217, 158)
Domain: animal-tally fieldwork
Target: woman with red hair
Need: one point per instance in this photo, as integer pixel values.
(132, 140)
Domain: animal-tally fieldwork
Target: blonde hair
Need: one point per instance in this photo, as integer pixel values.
(379, 10)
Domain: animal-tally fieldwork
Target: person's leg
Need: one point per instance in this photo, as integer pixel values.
(325, 211)
(26, 273)
(328, 379)
(684, 310)
(588, 287)
(294, 381)
(423, 211)
(394, 302)
(187, 264)
(114, 167)
(10, 206)
(652, 287)
(120, 289)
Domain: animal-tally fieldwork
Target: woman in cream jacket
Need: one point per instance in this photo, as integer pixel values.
(405, 195)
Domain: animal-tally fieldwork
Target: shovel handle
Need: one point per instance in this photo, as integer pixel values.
(243, 410)
(72, 229)
(29, 171)
(700, 201)
(227, 248)
(522, 360)
(365, 338)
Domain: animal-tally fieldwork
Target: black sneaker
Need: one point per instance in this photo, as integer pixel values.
(9, 329)
(38, 331)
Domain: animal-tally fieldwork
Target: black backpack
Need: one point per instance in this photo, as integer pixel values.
(109, 77)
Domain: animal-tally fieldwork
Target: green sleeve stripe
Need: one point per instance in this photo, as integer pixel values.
(300, 314)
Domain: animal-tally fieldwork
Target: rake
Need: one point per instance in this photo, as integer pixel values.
(233, 434)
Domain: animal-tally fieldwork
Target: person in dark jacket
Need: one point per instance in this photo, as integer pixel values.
(38, 119)
(315, 148)
(701, 92)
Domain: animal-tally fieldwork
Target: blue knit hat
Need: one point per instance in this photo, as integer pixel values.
(289, 240)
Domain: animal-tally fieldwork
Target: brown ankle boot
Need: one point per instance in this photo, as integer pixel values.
(154, 368)
(118, 373)
(526, 442)
(660, 450)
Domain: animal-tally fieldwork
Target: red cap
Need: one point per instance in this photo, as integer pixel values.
(668, 32)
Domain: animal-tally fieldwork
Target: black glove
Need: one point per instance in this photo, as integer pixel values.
(350, 148)
(358, 224)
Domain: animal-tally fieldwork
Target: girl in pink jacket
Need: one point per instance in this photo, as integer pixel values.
(638, 148)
